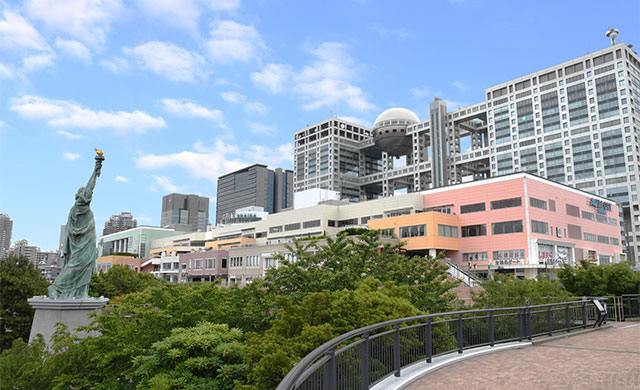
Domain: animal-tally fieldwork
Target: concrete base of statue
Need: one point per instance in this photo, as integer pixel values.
(73, 313)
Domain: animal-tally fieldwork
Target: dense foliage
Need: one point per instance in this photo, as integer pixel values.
(120, 280)
(507, 291)
(588, 279)
(203, 336)
(19, 281)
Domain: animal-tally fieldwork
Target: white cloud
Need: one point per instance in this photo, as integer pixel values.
(231, 41)
(423, 92)
(458, 85)
(15, 31)
(210, 162)
(179, 13)
(115, 65)
(252, 108)
(38, 61)
(186, 108)
(400, 33)
(222, 5)
(63, 113)
(272, 77)
(5, 72)
(232, 97)
(122, 179)
(327, 82)
(169, 61)
(74, 49)
(262, 128)
(163, 183)
(1, 123)
(68, 135)
(85, 20)
(70, 156)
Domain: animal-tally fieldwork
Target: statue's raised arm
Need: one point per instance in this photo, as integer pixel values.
(79, 255)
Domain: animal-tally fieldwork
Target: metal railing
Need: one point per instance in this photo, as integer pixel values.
(363, 357)
(620, 307)
(456, 271)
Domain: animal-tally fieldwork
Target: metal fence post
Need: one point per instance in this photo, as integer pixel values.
(396, 350)
(568, 318)
(584, 315)
(549, 323)
(364, 362)
(520, 332)
(330, 371)
(492, 332)
(528, 318)
(459, 334)
(427, 338)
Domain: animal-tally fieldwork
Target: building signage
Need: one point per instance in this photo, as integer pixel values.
(601, 206)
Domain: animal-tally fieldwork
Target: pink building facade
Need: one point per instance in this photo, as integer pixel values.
(525, 225)
(204, 266)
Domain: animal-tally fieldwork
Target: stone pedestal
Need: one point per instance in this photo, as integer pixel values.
(71, 312)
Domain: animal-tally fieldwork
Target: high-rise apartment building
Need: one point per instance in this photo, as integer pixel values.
(255, 185)
(118, 223)
(185, 213)
(6, 228)
(31, 252)
(576, 123)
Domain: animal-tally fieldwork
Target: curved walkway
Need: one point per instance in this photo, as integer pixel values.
(607, 359)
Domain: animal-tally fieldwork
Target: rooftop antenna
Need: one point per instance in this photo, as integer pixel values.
(612, 33)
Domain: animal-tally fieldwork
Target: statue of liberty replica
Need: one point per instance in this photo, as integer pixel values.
(79, 249)
(68, 302)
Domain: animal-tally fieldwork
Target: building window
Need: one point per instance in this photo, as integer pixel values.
(474, 230)
(472, 208)
(275, 229)
(573, 211)
(574, 231)
(587, 215)
(539, 227)
(552, 205)
(236, 262)
(413, 231)
(388, 232)
(506, 203)
(589, 237)
(310, 224)
(253, 261)
(506, 227)
(538, 203)
(197, 264)
(603, 239)
(475, 256)
(601, 218)
(292, 226)
(447, 231)
(210, 263)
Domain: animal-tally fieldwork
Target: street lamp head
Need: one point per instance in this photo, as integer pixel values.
(613, 34)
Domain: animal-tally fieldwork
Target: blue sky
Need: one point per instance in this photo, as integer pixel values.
(178, 92)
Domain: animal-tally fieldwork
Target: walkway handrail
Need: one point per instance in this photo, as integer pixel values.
(321, 362)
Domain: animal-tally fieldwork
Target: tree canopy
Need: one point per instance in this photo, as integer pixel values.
(19, 281)
(588, 279)
(119, 280)
(507, 291)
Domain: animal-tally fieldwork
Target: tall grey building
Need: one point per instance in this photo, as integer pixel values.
(186, 213)
(118, 223)
(255, 185)
(576, 123)
(6, 228)
(31, 252)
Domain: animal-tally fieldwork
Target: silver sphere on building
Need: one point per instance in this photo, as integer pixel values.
(390, 131)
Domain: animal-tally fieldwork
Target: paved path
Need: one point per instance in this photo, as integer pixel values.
(607, 359)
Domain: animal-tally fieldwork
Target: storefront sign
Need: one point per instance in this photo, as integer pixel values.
(601, 206)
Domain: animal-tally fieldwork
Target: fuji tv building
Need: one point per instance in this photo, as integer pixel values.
(575, 123)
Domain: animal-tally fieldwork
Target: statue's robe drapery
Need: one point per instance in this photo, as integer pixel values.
(79, 253)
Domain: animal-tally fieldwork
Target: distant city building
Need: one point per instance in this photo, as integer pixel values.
(118, 223)
(22, 248)
(255, 185)
(49, 264)
(186, 213)
(6, 227)
(135, 241)
(63, 229)
(245, 214)
(575, 123)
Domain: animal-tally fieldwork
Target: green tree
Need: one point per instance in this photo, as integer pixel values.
(207, 356)
(507, 291)
(301, 326)
(345, 261)
(21, 366)
(119, 280)
(588, 279)
(19, 281)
